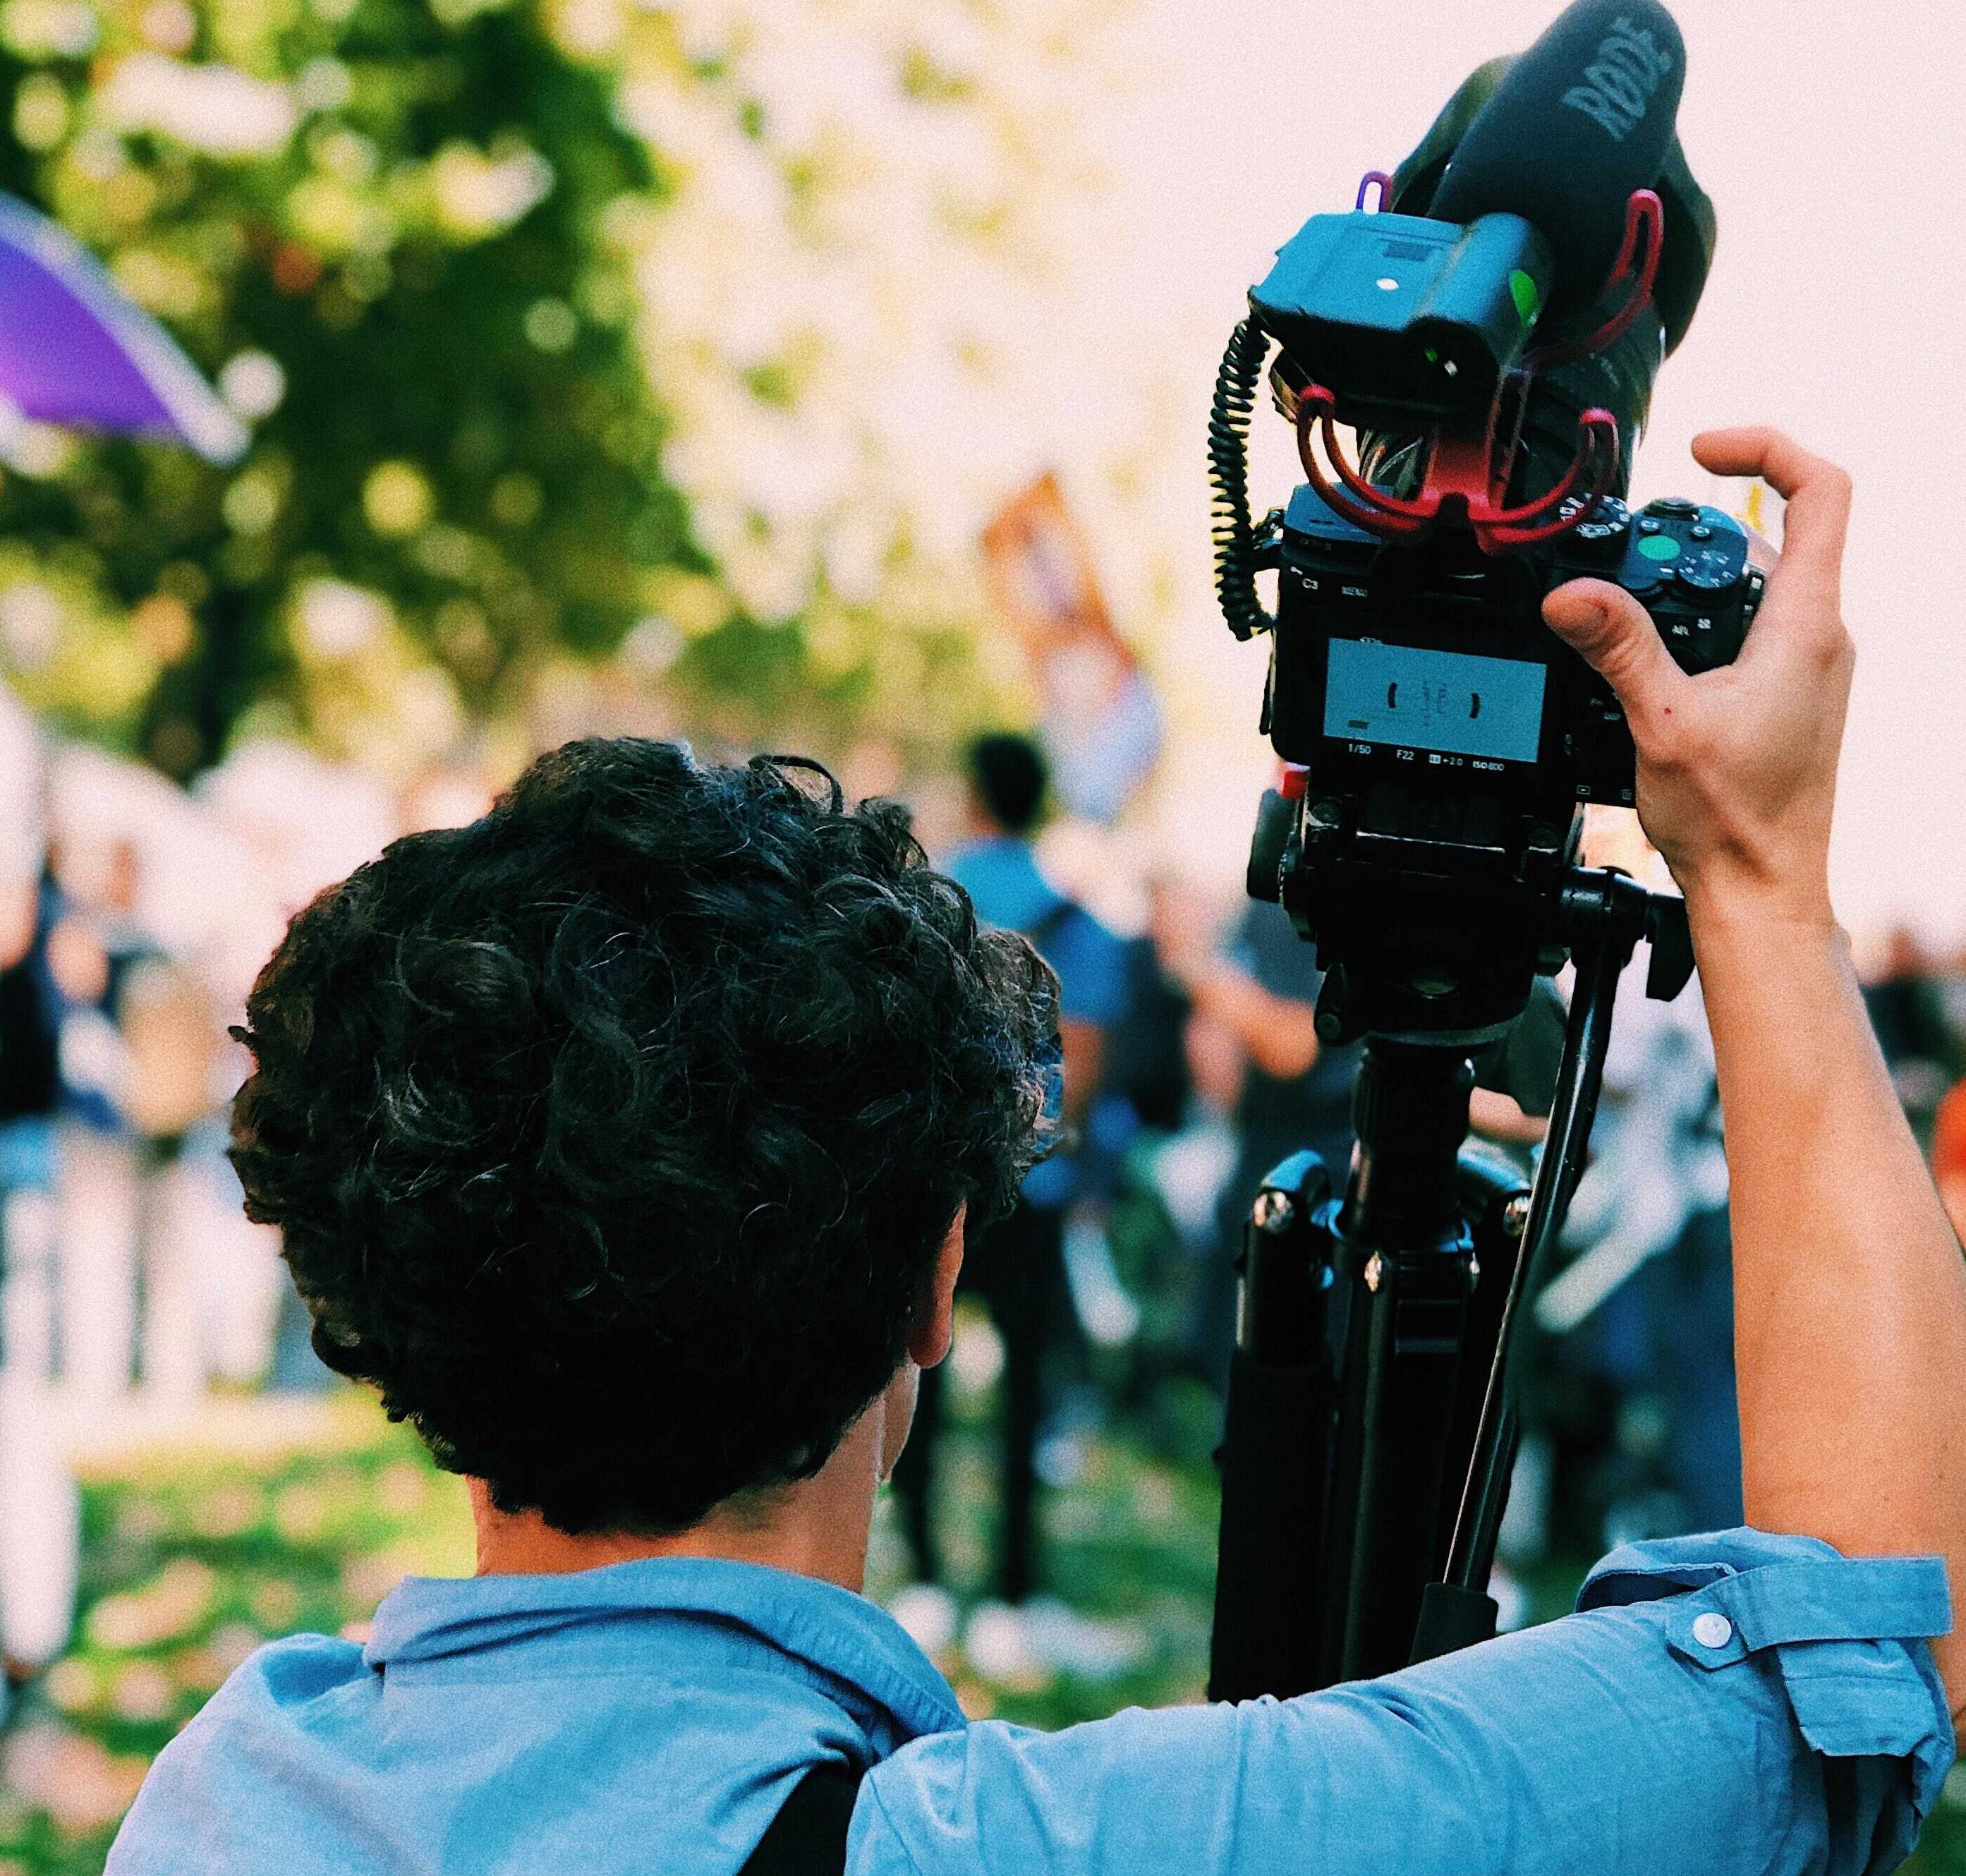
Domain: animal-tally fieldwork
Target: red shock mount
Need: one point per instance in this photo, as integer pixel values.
(1468, 471)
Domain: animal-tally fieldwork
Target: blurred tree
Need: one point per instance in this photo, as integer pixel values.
(400, 235)
(609, 364)
(854, 293)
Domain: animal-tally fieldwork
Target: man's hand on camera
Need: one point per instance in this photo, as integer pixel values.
(1737, 767)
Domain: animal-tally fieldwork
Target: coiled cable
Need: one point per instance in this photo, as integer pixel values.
(1235, 385)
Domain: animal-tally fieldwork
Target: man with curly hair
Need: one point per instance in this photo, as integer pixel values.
(627, 1141)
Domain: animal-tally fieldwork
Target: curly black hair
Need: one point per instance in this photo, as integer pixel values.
(614, 1136)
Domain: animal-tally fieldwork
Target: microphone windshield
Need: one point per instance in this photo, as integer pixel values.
(1580, 120)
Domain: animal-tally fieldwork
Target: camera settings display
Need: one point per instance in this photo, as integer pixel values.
(1441, 702)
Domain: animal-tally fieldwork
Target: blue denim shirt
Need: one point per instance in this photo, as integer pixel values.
(1735, 1702)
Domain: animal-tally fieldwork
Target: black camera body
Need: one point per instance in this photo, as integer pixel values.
(1421, 681)
(1442, 741)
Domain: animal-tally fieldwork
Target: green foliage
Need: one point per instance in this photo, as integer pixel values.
(422, 218)
(479, 275)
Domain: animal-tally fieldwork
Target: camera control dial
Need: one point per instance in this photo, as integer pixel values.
(1710, 569)
(1603, 529)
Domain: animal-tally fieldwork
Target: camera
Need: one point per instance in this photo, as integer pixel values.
(1428, 692)
(1441, 742)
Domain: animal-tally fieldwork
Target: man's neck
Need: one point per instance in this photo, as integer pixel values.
(816, 1527)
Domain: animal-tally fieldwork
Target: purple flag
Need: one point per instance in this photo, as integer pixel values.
(74, 348)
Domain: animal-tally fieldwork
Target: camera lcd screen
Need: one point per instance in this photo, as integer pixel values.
(1450, 701)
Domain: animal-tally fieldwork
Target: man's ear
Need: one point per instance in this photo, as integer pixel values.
(934, 1326)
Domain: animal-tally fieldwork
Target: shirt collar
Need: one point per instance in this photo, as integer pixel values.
(831, 1628)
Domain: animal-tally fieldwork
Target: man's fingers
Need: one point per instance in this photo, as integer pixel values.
(1615, 637)
(1816, 491)
(1759, 449)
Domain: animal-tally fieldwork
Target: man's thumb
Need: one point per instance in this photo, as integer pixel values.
(1615, 635)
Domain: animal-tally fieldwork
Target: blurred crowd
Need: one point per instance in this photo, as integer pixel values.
(133, 914)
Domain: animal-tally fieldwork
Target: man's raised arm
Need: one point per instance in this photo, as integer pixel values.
(1850, 1291)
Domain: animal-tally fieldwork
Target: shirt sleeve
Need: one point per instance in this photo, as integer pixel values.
(1734, 1702)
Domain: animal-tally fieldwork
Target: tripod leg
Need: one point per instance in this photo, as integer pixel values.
(1410, 1258)
(1412, 1336)
(1276, 1446)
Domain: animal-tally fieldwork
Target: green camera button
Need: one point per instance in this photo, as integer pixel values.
(1659, 547)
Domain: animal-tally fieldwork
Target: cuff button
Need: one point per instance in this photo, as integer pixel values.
(1712, 1629)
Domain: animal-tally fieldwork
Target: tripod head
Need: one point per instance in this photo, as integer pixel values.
(1440, 957)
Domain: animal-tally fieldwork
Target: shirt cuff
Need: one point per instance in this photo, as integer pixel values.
(1847, 1636)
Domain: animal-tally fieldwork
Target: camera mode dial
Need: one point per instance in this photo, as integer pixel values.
(1688, 566)
(1604, 527)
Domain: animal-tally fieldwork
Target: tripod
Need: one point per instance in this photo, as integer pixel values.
(1370, 1429)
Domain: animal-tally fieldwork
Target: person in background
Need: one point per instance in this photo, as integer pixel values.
(96, 947)
(40, 1526)
(1017, 1269)
(30, 1088)
(172, 1034)
(1948, 1155)
(1146, 1061)
(1907, 1007)
(1159, 1127)
(1515, 1083)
